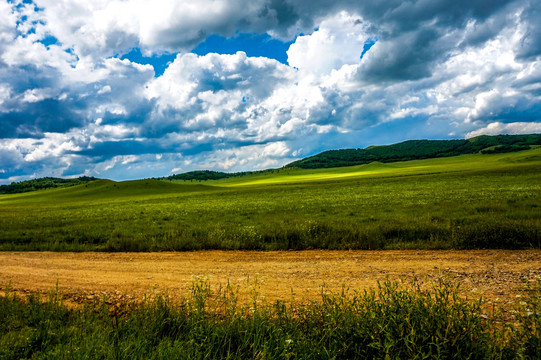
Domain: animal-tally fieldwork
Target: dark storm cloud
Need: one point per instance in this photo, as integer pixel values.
(9, 159)
(40, 101)
(24, 77)
(78, 167)
(23, 115)
(391, 17)
(108, 149)
(284, 14)
(410, 56)
(530, 44)
(33, 119)
(508, 109)
(401, 16)
(482, 30)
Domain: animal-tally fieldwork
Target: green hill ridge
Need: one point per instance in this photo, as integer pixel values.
(404, 151)
(43, 183)
(419, 149)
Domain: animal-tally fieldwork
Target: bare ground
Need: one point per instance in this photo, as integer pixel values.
(497, 275)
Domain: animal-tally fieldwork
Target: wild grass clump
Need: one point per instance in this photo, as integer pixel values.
(398, 320)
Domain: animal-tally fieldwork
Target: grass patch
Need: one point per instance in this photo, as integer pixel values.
(396, 320)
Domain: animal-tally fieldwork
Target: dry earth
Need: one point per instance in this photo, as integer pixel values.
(495, 274)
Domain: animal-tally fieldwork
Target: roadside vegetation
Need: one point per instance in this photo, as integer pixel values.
(464, 202)
(398, 320)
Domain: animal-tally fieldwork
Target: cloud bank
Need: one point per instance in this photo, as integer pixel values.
(73, 103)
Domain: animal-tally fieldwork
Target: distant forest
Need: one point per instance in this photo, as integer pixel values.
(201, 175)
(419, 149)
(43, 183)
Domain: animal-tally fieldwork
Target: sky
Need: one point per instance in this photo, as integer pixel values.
(130, 89)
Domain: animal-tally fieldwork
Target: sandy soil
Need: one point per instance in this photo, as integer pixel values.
(494, 274)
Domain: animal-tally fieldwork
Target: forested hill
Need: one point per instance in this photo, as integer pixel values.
(42, 183)
(419, 149)
(200, 175)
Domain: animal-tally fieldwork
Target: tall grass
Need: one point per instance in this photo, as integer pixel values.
(397, 320)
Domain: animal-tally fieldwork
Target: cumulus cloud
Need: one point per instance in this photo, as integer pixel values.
(359, 73)
(215, 92)
(339, 40)
(193, 79)
(255, 157)
(106, 27)
(8, 22)
(497, 128)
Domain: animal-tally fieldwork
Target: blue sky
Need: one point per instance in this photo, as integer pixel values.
(133, 89)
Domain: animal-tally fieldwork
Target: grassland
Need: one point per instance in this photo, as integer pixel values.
(470, 201)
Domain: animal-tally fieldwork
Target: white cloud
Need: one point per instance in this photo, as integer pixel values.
(8, 22)
(21, 29)
(61, 146)
(235, 98)
(52, 145)
(27, 51)
(245, 157)
(35, 95)
(338, 41)
(104, 27)
(128, 159)
(216, 91)
(87, 70)
(102, 133)
(104, 90)
(497, 128)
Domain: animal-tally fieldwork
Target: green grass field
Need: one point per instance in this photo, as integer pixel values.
(469, 201)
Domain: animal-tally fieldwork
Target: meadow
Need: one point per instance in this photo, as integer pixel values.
(463, 202)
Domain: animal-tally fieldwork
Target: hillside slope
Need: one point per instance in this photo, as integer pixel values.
(469, 201)
(419, 149)
(404, 151)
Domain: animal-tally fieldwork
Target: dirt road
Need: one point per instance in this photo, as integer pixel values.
(497, 275)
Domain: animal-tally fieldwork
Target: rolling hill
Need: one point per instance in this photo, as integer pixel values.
(419, 149)
(468, 201)
(404, 151)
(43, 183)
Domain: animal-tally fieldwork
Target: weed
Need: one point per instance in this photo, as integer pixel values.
(397, 320)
